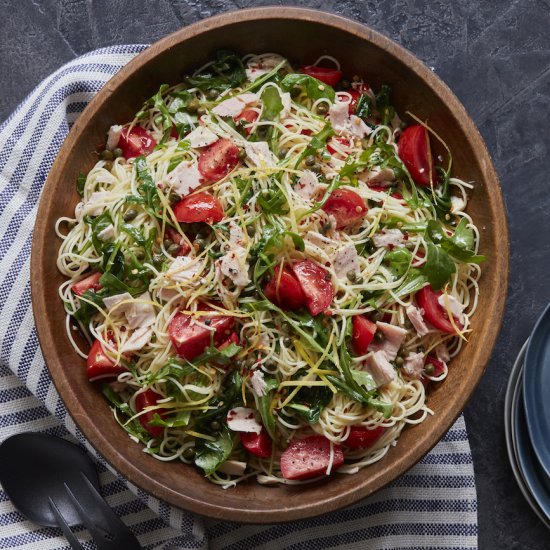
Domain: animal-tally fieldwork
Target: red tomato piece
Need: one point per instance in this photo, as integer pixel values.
(309, 457)
(218, 159)
(136, 142)
(413, 149)
(363, 333)
(433, 312)
(257, 444)
(174, 132)
(341, 140)
(346, 206)
(306, 132)
(284, 290)
(200, 207)
(324, 74)
(191, 339)
(361, 438)
(248, 116)
(145, 399)
(316, 285)
(99, 365)
(176, 238)
(91, 282)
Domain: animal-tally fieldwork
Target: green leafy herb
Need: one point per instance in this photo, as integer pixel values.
(399, 261)
(364, 107)
(363, 378)
(80, 183)
(317, 142)
(210, 455)
(439, 267)
(178, 420)
(222, 357)
(459, 245)
(273, 201)
(147, 188)
(264, 406)
(226, 72)
(413, 282)
(383, 104)
(310, 402)
(315, 89)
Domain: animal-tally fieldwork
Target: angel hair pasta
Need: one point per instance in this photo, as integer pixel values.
(270, 268)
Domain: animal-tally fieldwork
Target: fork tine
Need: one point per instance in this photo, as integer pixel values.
(69, 535)
(112, 519)
(95, 531)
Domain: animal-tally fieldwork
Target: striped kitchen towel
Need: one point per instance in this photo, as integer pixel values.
(433, 506)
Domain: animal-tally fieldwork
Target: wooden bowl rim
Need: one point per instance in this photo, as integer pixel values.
(282, 511)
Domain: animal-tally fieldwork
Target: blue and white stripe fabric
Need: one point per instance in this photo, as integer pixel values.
(433, 506)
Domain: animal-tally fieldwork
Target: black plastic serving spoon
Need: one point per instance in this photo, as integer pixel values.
(54, 483)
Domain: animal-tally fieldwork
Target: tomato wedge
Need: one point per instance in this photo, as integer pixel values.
(316, 285)
(361, 438)
(328, 76)
(284, 290)
(136, 142)
(145, 399)
(433, 312)
(218, 159)
(99, 365)
(200, 207)
(413, 148)
(247, 116)
(363, 333)
(257, 444)
(309, 457)
(91, 282)
(190, 339)
(346, 206)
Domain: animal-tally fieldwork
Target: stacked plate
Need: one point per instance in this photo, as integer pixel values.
(527, 418)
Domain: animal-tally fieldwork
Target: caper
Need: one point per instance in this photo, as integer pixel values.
(322, 109)
(173, 197)
(283, 152)
(117, 152)
(201, 111)
(158, 258)
(193, 105)
(242, 154)
(287, 341)
(379, 336)
(189, 452)
(309, 160)
(429, 369)
(129, 215)
(356, 78)
(106, 154)
(399, 362)
(295, 92)
(212, 94)
(215, 425)
(174, 248)
(251, 230)
(401, 352)
(108, 165)
(421, 349)
(261, 131)
(408, 324)
(140, 254)
(372, 203)
(352, 276)
(326, 227)
(198, 245)
(376, 316)
(344, 84)
(316, 168)
(168, 243)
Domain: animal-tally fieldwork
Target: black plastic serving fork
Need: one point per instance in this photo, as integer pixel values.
(54, 483)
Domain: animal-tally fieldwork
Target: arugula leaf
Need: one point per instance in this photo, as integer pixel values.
(87, 310)
(364, 107)
(80, 183)
(134, 232)
(264, 406)
(383, 104)
(178, 420)
(404, 225)
(157, 101)
(310, 402)
(210, 455)
(363, 378)
(147, 188)
(114, 284)
(439, 267)
(113, 259)
(273, 201)
(413, 282)
(219, 356)
(272, 104)
(99, 223)
(459, 245)
(315, 89)
(399, 261)
(317, 142)
(226, 72)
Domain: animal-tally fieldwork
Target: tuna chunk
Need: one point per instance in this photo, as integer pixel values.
(393, 338)
(415, 317)
(380, 368)
(414, 365)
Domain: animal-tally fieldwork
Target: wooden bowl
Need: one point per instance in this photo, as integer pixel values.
(302, 36)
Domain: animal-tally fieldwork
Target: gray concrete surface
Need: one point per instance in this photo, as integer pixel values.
(495, 55)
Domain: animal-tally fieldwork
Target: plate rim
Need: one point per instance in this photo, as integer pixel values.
(537, 424)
